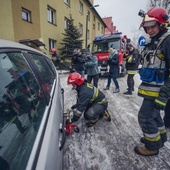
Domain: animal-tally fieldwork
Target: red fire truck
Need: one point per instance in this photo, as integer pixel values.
(100, 49)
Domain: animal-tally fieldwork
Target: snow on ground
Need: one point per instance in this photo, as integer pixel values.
(110, 145)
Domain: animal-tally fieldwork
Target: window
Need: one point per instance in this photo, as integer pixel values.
(81, 7)
(66, 23)
(102, 30)
(67, 2)
(94, 18)
(26, 15)
(98, 26)
(81, 28)
(52, 43)
(94, 26)
(45, 72)
(51, 15)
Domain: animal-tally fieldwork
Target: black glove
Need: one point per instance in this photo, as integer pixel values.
(68, 121)
(74, 106)
(161, 101)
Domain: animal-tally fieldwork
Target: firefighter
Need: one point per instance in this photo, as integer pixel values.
(55, 57)
(155, 77)
(131, 58)
(90, 100)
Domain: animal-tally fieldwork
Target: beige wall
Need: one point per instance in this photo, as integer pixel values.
(16, 29)
(24, 29)
(6, 20)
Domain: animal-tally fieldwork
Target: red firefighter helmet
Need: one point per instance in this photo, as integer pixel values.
(75, 78)
(53, 50)
(155, 14)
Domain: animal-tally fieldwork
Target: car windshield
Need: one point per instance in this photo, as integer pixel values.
(102, 46)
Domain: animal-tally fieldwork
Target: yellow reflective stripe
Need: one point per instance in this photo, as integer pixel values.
(162, 131)
(96, 93)
(77, 113)
(89, 85)
(148, 93)
(160, 56)
(159, 102)
(132, 72)
(93, 121)
(155, 139)
(12, 120)
(103, 101)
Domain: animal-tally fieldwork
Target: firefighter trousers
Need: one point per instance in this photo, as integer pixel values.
(167, 114)
(130, 82)
(94, 112)
(152, 125)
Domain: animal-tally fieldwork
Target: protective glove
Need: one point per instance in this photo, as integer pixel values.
(74, 106)
(68, 121)
(161, 101)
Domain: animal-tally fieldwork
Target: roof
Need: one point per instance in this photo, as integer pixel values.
(32, 42)
(114, 35)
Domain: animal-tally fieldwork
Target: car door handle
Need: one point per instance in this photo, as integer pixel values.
(62, 142)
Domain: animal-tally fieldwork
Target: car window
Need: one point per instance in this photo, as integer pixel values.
(22, 105)
(49, 61)
(46, 73)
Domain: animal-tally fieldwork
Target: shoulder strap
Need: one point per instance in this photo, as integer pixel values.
(162, 38)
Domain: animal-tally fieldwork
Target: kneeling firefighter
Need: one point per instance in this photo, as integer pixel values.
(90, 100)
(155, 77)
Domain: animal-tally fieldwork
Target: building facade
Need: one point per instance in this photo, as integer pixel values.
(40, 24)
(110, 29)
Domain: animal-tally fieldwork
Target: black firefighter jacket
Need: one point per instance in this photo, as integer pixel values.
(87, 96)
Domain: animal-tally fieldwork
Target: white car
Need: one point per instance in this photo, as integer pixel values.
(32, 133)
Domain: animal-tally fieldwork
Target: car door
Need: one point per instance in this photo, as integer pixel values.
(31, 111)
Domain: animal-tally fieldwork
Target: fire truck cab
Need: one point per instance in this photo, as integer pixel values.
(100, 49)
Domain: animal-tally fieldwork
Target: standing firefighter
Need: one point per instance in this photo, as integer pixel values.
(91, 101)
(132, 60)
(155, 77)
(55, 57)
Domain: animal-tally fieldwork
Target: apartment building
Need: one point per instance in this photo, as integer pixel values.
(40, 24)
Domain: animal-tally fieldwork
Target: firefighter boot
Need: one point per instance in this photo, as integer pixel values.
(142, 150)
(128, 92)
(90, 124)
(107, 115)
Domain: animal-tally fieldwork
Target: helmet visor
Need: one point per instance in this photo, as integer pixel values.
(149, 23)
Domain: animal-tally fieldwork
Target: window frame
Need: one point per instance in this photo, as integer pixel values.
(27, 13)
(80, 7)
(67, 2)
(51, 15)
(66, 23)
(52, 43)
(98, 26)
(81, 28)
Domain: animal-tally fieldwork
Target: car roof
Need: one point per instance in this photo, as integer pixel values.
(12, 44)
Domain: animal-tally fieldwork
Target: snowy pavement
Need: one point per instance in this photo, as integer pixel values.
(110, 145)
